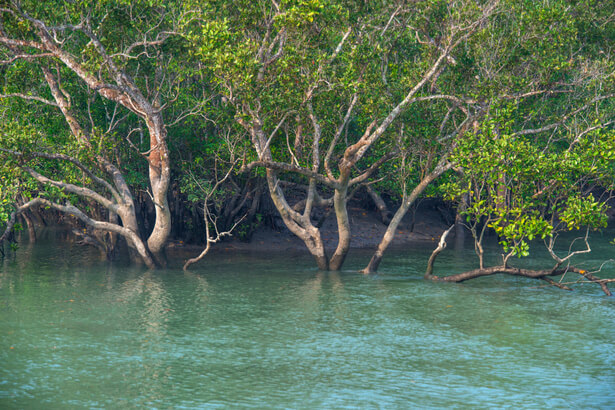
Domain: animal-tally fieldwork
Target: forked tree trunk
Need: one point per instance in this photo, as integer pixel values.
(124, 91)
(124, 206)
(300, 225)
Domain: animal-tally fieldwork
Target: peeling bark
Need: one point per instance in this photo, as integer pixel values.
(160, 177)
(124, 91)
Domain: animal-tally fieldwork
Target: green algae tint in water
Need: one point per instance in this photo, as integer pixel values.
(268, 332)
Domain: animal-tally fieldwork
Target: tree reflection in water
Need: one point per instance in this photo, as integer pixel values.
(149, 310)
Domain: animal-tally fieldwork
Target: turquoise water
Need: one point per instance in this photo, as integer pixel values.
(270, 331)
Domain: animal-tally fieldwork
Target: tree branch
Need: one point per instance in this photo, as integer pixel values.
(338, 134)
(436, 252)
(564, 118)
(290, 168)
(77, 213)
(29, 97)
(375, 166)
(25, 57)
(77, 190)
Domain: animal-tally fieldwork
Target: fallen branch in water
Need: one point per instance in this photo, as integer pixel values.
(543, 274)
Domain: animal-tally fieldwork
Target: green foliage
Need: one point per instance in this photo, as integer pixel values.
(224, 58)
(583, 211)
(523, 190)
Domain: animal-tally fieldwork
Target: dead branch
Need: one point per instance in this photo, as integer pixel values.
(436, 252)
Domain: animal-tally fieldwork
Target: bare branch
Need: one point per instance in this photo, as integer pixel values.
(208, 219)
(374, 167)
(338, 134)
(534, 93)
(290, 168)
(275, 131)
(577, 139)
(571, 254)
(390, 20)
(310, 91)
(29, 97)
(12, 42)
(77, 213)
(434, 254)
(370, 137)
(73, 160)
(77, 190)
(25, 57)
(564, 118)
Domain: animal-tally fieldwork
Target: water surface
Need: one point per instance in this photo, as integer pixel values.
(271, 331)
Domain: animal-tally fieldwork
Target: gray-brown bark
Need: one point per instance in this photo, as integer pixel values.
(383, 209)
(302, 227)
(441, 246)
(160, 177)
(299, 224)
(541, 274)
(351, 153)
(527, 273)
(123, 203)
(389, 235)
(343, 229)
(122, 90)
(77, 213)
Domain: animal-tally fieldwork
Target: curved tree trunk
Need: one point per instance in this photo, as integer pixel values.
(128, 217)
(159, 175)
(388, 236)
(30, 226)
(343, 228)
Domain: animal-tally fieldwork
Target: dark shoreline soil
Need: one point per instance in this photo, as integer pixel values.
(421, 227)
(424, 226)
